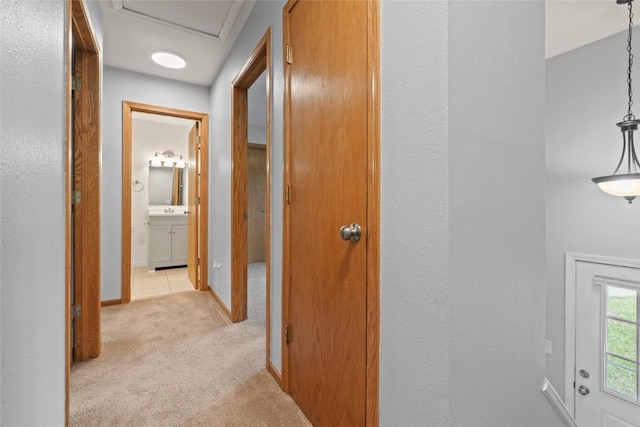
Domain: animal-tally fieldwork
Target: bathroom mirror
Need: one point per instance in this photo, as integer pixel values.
(166, 186)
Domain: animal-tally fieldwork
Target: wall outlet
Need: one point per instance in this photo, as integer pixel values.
(547, 346)
(216, 265)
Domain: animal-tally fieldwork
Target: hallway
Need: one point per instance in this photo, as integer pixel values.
(176, 360)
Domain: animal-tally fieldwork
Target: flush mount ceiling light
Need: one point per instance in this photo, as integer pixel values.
(627, 184)
(168, 59)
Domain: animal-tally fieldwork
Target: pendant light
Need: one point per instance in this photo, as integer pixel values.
(627, 184)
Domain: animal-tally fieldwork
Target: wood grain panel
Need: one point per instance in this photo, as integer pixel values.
(192, 245)
(373, 217)
(239, 129)
(256, 202)
(331, 145)
(86, 216)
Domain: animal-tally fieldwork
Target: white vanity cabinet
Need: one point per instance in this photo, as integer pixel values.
(168, 236)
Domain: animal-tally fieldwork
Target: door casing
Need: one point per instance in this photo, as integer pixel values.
(259, 62)
(127, 109)
(83, 126)
(373, 212)
(571, 259)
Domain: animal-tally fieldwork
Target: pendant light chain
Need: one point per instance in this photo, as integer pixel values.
(630, 115)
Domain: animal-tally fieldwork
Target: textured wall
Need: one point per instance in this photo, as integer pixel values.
(497, 217)
(463, 289)
(586, 97)
(121, 85)
(263, 15)
(32, 118)
(414, 373)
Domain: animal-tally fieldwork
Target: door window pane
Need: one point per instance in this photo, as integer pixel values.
(620, 346)
(621, 376)
(622, 338)
(622, 303)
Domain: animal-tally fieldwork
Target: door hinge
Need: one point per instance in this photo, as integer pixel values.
(197, 200)
(75, 197)
(286, 334)
(77, 311)
(287, 193)
(289, 54)
(197, 261)
(75, 83)
(198, 140)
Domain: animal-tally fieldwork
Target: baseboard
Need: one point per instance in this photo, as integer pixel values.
(109, 302)
(222, 305)
(558, 404)
(275, 374)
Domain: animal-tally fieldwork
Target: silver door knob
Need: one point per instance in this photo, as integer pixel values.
(583, 373)
(351, 232)
(583, 390)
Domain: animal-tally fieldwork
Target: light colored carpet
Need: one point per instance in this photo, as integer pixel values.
(177, 361)
(257, 292)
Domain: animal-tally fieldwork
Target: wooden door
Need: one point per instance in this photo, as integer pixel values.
(257, 203)
(327, 178)
(193, 183)
(607, 361)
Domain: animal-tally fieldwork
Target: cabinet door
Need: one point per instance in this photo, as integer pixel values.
(179, 244)
(160, 243)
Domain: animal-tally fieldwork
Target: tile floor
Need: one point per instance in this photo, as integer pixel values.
(147, 283)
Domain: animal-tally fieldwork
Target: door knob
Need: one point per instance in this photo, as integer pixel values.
(583, 390)
(583, 373)
(351, 232)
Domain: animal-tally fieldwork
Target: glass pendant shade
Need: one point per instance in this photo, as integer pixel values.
(156, 160)
(625, 185)
(180, 162)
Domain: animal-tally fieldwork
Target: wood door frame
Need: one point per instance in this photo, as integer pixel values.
(571, 286)
(259, 62)
(373, 210)
(128, 108)
(82, 126)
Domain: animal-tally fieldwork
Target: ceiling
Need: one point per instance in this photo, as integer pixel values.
(200, 31)
(570, 24)
(203, 31)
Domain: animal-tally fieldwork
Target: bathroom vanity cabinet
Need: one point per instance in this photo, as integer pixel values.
(168, 236)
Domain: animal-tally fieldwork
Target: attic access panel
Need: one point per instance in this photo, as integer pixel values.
(212, 19)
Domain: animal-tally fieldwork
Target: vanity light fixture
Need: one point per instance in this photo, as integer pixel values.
(180, 162)
(156, 160)
(168, 59)
(627, 184)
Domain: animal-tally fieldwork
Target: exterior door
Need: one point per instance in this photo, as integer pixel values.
(327, 179)
(607, 346)
(193, 248)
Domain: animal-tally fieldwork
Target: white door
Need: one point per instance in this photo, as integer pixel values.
(607, 346)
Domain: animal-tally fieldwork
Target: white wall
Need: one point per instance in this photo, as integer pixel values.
(121, 85)
(149, 137)
(32, 284)
(263, 15)
(463, 170)
(585, 98)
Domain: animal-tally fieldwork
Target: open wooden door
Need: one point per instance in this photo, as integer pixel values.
(193, 251)
(330, 220)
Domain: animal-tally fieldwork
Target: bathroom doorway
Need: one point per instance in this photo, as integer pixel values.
(164, 200)
(160, 171)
